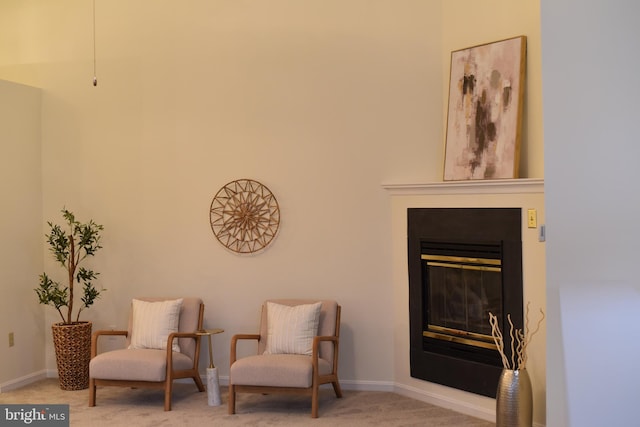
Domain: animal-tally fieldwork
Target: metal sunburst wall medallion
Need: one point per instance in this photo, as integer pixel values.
(244, 216)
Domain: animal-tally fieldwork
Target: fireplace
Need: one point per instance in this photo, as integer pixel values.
(463, 264)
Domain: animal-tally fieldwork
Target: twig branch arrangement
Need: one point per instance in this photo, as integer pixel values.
(519, 340)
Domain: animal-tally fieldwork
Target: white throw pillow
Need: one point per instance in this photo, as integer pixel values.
(153, 322)
(290, 329)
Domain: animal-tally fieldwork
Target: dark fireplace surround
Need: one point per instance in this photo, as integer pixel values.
(450, 363)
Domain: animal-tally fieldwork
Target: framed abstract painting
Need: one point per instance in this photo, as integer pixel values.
(484, 120)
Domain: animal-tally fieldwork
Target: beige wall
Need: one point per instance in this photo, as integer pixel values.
(21, 231)
(322, 101)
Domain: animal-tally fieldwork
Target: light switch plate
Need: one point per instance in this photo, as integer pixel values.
(532, 218)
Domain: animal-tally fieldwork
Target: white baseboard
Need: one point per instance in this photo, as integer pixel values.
(23, 381)
(387, 386)
(446, 402)
(345, 384)
(461, 406)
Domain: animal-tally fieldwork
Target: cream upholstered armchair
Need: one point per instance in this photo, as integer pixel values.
(297, 351)
(161, 346)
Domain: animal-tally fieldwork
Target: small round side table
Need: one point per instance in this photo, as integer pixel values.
(213, 382)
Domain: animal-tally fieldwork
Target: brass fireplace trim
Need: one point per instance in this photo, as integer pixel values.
(455, 262)
(463, 334)
(486, 261)
(475, 341)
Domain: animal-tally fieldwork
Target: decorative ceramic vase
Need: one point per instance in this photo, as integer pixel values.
(514, 399)
(72, 344)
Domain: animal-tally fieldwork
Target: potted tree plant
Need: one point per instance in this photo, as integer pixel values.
(71, 337)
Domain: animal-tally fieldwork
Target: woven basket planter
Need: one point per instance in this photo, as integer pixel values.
(73, 353)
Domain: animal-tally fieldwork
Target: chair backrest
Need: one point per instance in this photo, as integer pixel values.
(189, 322)
(327, 325)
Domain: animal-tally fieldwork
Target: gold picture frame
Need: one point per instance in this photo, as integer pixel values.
(484, 119)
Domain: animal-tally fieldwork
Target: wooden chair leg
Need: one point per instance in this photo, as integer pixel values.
(232, 399)
(167, 395)
(314, 401)
(337, 389)
(92, 392)
(198, 381)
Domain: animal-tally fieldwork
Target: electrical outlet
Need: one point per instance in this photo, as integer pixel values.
(11, 339)
(532, 218)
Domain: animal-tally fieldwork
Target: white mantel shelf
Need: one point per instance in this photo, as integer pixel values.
(498, 186)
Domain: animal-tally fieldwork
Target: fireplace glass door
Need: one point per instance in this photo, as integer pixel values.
(461, 292)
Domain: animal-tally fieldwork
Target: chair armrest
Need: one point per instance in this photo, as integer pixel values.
(181, 335)
(315, 355)
(234, 342)
(170, 339)
(316, 342)
(97, 334)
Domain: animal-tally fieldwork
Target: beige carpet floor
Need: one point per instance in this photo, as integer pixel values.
(142, 407)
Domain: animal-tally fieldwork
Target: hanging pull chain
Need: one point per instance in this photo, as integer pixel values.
(95, 79)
